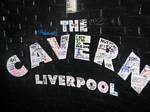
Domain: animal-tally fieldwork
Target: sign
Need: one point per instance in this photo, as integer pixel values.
(106, 52)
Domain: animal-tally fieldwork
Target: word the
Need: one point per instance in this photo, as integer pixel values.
(74, 25)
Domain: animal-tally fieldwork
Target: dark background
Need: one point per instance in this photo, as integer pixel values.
(125, 22)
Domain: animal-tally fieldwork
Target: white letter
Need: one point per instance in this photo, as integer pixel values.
(103, 87)
(62, 80)
(52, 79)
(82, 47)
(37, 79)
(70, 81)
(132, 66)
(44, 79)
(73, 25)
(64, 24)
(37, 55)
(12, 69)
(60, 51)
(112, 90)
(106, 51)
(83, 25)
(80, 82)
(91, 84)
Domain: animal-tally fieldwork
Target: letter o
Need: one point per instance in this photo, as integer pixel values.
(103, 87)
(91, 84)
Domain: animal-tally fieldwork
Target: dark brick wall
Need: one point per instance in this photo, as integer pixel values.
(125, 22)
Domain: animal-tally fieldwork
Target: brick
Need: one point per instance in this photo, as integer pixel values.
(90, 5)
(115, 11)
(146, 8)
(133, 10)
(60, 2)
(60, 8)
(113, 31)
(94, 14)
(134, 20)
(125, 3)
(132, 31)
(95, 30)
(111, 21)
(145, 31)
